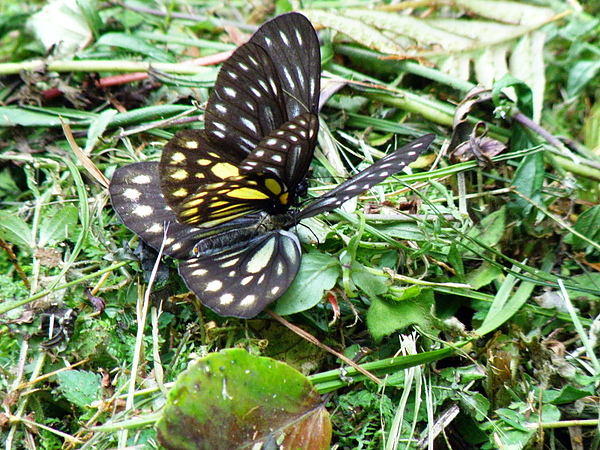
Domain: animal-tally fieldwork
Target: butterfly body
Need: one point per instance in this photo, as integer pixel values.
(224, 200)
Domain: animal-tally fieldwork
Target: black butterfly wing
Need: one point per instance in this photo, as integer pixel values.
(367, 178)
(246, 103)
(291, 42)
(286, 153)
(205, 186)
(137, 198)
(268, 81)
(241, 280)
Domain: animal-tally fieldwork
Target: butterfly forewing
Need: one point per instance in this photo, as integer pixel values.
(205, 187)
(271, 79)
(292, 44)
(247, 102)
(287, 152)
(136, 196)
(368, 178)
(242, 279)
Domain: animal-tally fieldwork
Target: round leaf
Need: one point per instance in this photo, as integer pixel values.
(232, 399)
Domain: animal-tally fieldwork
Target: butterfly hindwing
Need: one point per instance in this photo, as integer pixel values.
(367, 178)
(137, 198)
(241, 280)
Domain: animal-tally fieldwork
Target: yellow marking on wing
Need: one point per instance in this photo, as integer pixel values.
(225, 170)
(181, 192)
(192, 145)
(178, 157)
(189, 212)
(273, 185)
(179, 175)
(284, 198)
(204, 162)
(194, 201)
(246, 193)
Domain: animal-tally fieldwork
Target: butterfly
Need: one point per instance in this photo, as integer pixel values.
(224, 200)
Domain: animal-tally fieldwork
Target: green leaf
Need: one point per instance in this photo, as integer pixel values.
(568, 394)
(483, 275)
(79, 387)
(318, 273)
(476, 403)
(588, 224)
(232, 399)
(386, 316)
(57, 227)
(11, 116)
(89, 10)
(528, 180)
(15, 230)
(489, 231)
(373, 285)
(455, 260)
(580, 75)
(97, 128)
(135, 45)
(524, 98)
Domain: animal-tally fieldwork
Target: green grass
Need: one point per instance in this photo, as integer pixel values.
(472, 295)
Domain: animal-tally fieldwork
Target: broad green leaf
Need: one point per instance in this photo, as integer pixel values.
(134, 45)
(488, 232)
(57, 227)
(568, 394)
(483, 275)
(79, 387)
(529, 181)
(516, 429)
(318, 273)
(373, 285)
(476, 403)
(15, 230)
(232, 399)
(580, 75)
(388, 315)
(587, 281)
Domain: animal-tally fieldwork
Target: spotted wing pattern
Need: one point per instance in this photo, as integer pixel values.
(366, 179)
(222, 200)
(205, 186)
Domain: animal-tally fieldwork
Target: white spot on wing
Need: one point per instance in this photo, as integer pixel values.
(143, 210)
(132, 194)
(141, 179)
(214, 286)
